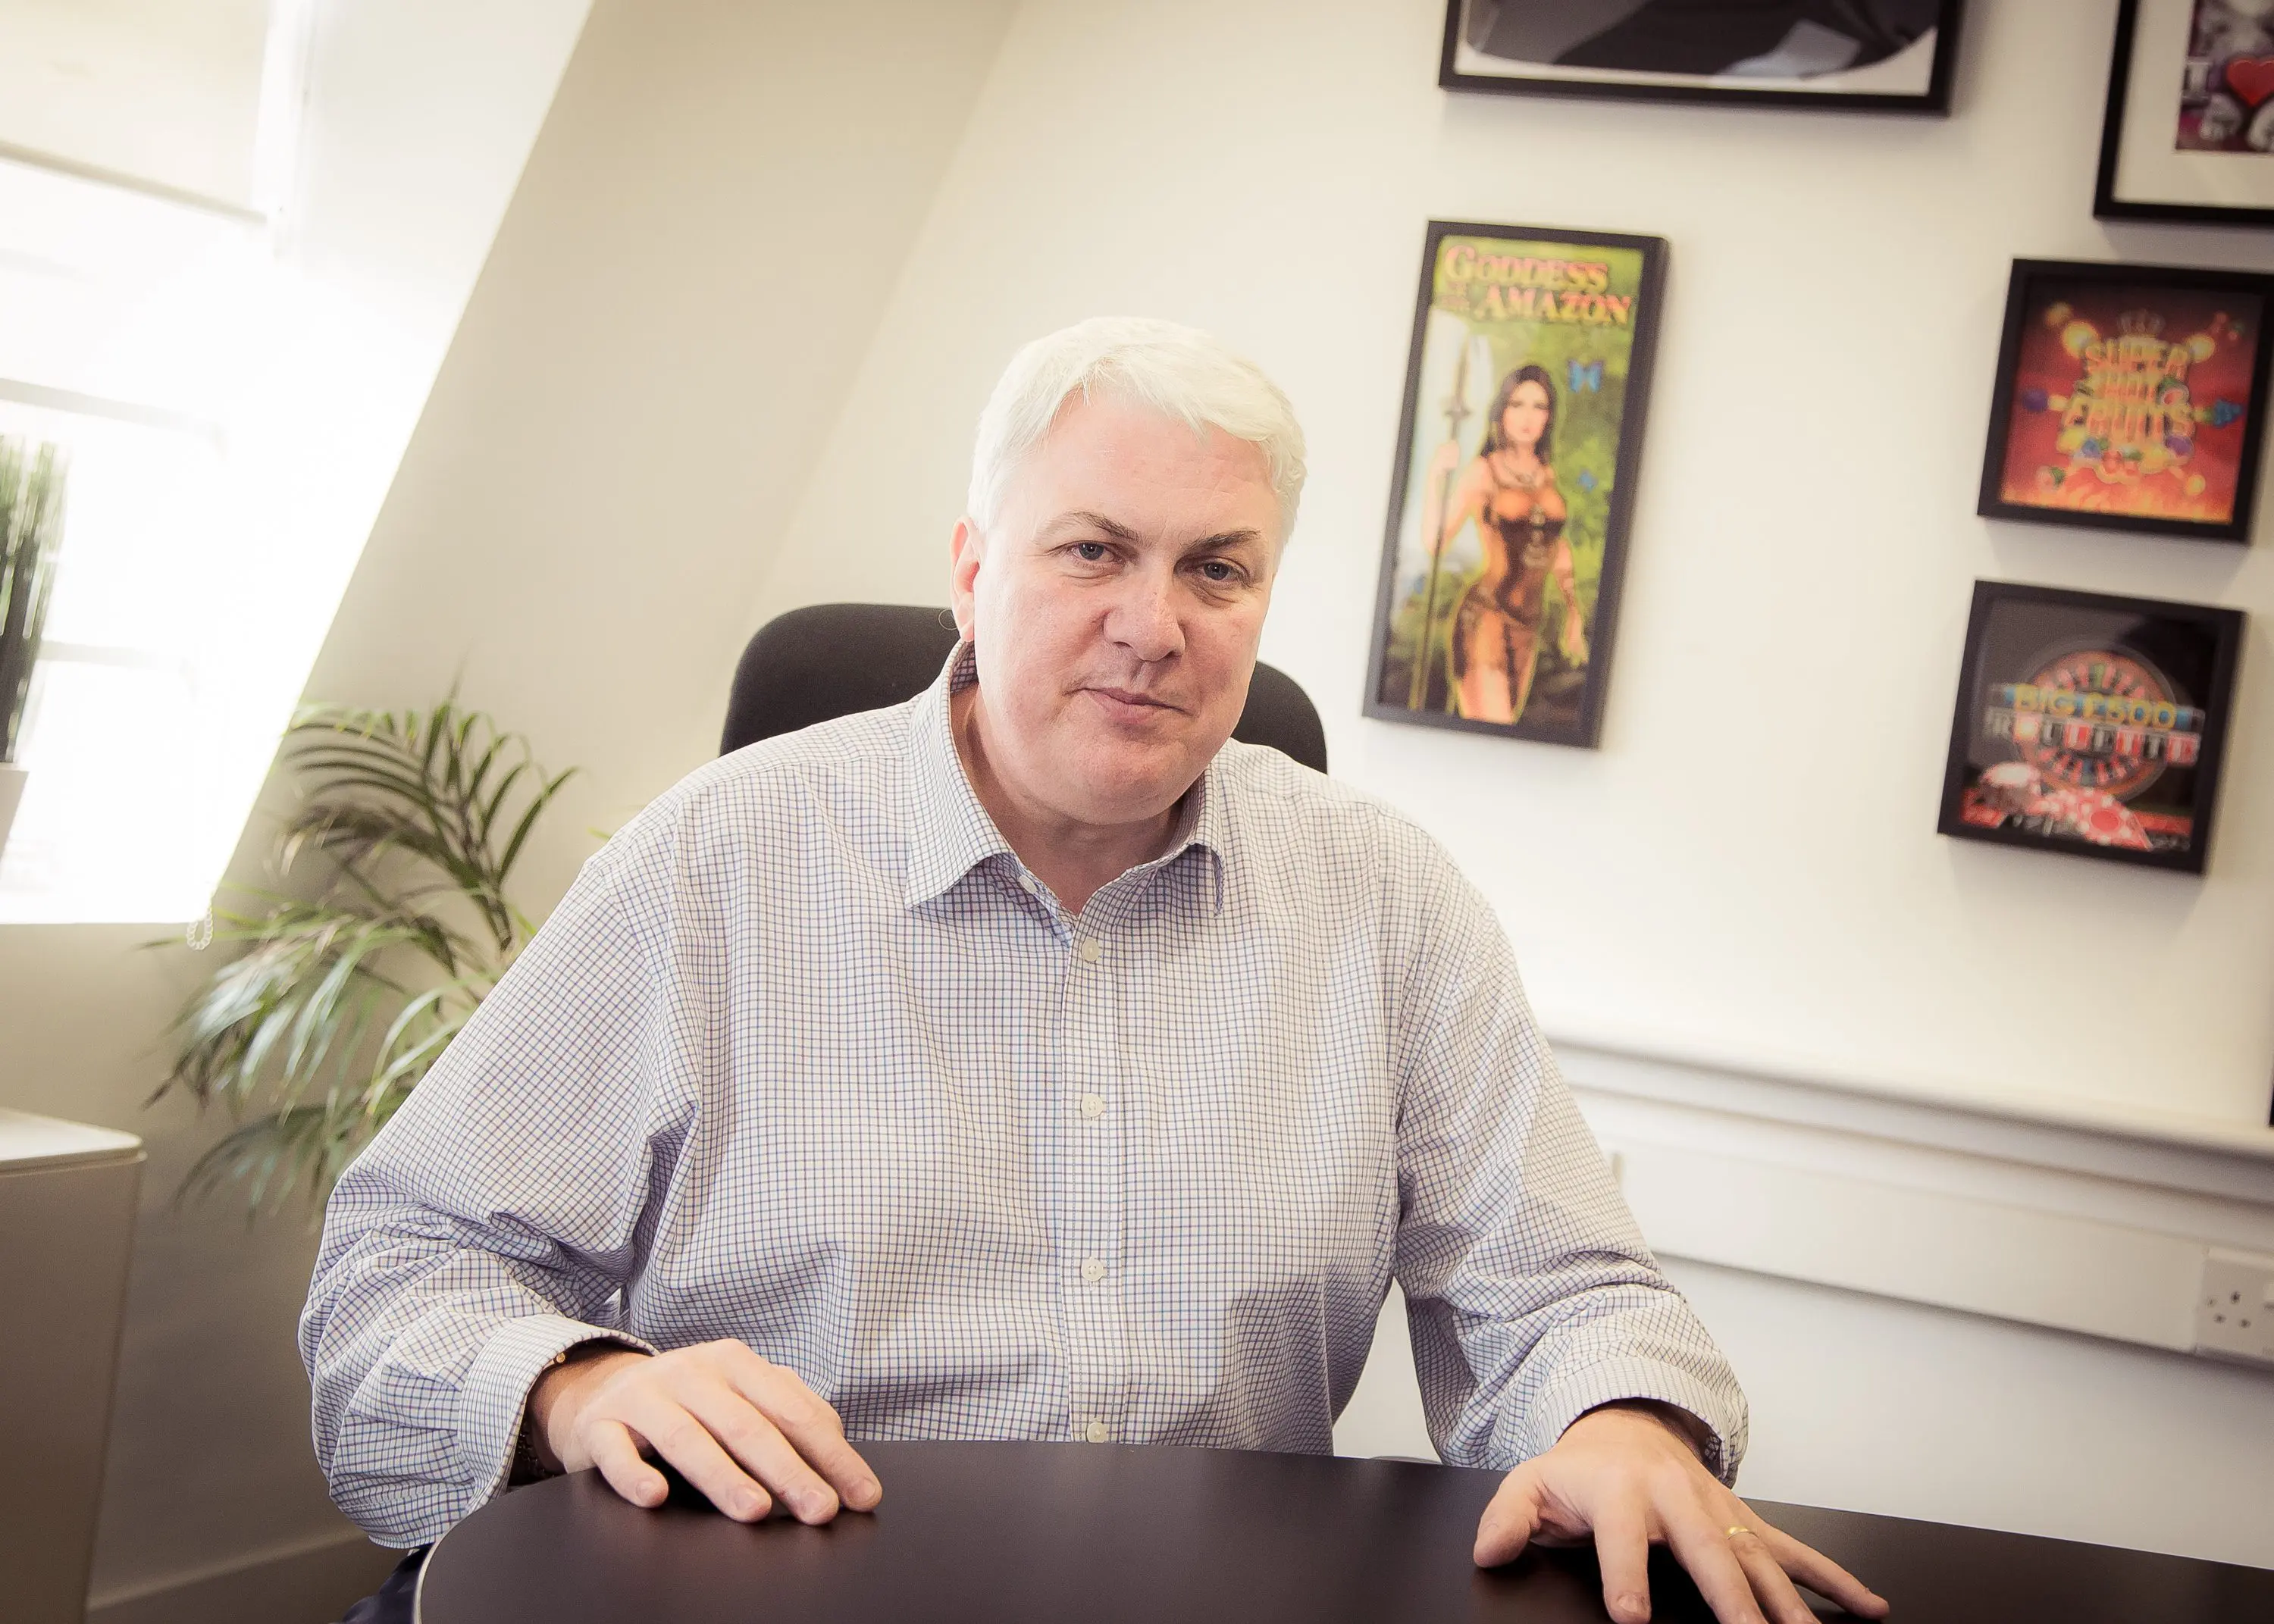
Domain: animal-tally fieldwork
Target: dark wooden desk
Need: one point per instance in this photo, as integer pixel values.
(1008, 1532)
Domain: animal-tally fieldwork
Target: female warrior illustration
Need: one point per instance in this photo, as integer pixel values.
(1509, 489)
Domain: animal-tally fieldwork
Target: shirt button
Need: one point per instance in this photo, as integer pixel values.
(1093, 1270)
(1092, 1106)
(1091, 950)
(1097, 1432)
(1027, 884)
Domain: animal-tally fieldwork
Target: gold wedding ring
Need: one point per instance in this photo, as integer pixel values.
(1734, 1530)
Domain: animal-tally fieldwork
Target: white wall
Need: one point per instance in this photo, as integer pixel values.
(1913, 1411)
(1714, 879)
(674, 307)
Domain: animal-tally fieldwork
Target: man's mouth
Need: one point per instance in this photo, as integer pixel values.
(1130, 700)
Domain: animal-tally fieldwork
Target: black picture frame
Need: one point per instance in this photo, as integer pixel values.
(1580, 723)
(2109, 175)
(2037, 290)
(1933, 101)
(2014, 632)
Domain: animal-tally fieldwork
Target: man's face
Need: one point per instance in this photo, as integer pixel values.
(1115, 605)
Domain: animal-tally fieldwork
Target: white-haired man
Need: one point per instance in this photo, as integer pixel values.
(1026, 1061)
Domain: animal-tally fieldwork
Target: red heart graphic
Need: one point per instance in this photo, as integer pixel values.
(2251, 78)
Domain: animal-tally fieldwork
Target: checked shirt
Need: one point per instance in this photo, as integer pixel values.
(809, 1058)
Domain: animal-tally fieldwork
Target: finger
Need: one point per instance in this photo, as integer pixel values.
(619, 1459)
(758, 1445)
(1511, 1520)
(814, 1430)
(1623, 1552)
(1819, 1573)
(1772, 1590)
(1703, 1548)
(675, 1434)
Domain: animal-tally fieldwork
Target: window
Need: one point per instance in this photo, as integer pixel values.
(148, 315)
(127, 322)
(118, 784)
(227, 296)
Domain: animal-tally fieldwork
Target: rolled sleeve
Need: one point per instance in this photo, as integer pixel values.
(495, 1395)
(494, 1221)
(1580, 1386)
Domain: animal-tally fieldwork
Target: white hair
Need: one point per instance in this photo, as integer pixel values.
(1179, 372)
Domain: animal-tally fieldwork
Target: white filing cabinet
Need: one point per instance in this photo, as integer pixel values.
(67, 1196)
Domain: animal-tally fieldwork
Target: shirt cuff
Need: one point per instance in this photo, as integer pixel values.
(1567, 1399)
(495, 1392)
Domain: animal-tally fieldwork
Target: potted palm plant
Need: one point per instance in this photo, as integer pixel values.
(31, 526)
(396, 925)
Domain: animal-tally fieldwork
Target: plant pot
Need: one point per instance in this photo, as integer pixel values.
(11, 791)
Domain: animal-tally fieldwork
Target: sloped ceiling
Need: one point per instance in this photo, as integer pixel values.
(166, 92)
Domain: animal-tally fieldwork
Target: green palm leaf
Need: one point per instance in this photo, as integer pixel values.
(347, 985)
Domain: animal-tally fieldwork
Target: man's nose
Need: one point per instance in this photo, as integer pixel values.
(1143, 619)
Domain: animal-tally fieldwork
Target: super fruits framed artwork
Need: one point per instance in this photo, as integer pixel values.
(2129, 397)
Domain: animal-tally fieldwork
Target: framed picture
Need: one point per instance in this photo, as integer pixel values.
(2090, 724)
(2189, 130)
(1850, 55)
(2129, 397)
(1514, 481)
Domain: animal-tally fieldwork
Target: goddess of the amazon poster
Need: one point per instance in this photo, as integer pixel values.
(1514, 480)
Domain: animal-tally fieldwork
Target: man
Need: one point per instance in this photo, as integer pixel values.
(1025, 1061)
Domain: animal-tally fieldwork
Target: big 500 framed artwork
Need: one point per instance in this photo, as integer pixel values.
(2091, 724)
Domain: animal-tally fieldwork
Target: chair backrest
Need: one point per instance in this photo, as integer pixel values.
(832, 659)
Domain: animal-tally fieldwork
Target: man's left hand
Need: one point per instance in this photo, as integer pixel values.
(1630, 1478)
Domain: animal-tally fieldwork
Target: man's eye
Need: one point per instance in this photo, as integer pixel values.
(1219, 572)
(1090, 551)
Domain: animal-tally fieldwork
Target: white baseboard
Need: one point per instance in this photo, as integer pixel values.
(307, 1582)
(2069, 1227)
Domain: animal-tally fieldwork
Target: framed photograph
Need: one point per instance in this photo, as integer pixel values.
(2189, 131)
(2090, 724)
(2129, 397)
(1514, 480)
(1847, 56)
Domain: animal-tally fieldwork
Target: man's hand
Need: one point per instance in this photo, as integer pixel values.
(1632, 1479)
(745, 1431)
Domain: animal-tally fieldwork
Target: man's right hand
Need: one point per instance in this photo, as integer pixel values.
(744, 1431)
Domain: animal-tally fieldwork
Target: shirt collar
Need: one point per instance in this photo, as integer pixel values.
(949, 833)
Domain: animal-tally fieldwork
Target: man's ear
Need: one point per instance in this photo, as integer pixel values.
(964, 549)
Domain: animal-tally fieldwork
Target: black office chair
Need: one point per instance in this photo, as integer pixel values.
(833, 659)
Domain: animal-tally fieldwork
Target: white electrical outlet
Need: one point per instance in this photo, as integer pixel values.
(2234, 1312)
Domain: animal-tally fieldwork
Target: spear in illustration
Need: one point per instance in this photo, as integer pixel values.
(1457, 413)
